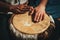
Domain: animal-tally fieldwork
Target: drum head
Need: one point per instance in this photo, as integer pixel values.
(23, 23)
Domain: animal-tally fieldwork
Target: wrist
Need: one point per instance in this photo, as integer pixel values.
(42, 6)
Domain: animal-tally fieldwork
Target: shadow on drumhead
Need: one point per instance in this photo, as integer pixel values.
(32, 17)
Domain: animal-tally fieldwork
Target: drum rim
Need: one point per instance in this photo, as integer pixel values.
(11, 22)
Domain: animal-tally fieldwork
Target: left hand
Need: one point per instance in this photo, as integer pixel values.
(40, 11)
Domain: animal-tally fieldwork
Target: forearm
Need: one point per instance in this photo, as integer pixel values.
(43, 2)
(4, 6)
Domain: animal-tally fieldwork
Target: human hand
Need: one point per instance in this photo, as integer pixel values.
(40, 11)
(31, 10)
(18, 8)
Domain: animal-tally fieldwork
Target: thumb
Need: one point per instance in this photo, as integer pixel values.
(31, 10)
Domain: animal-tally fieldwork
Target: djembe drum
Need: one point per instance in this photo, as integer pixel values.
(24, 28)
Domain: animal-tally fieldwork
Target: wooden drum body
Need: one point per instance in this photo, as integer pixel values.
(22, 26)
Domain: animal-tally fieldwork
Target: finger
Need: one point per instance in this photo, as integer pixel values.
(36, 15)
(21, 9)
(29, 8)
(14, 11)
(24, 9)
(41, 17)
(31, 11)
(17, 11)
